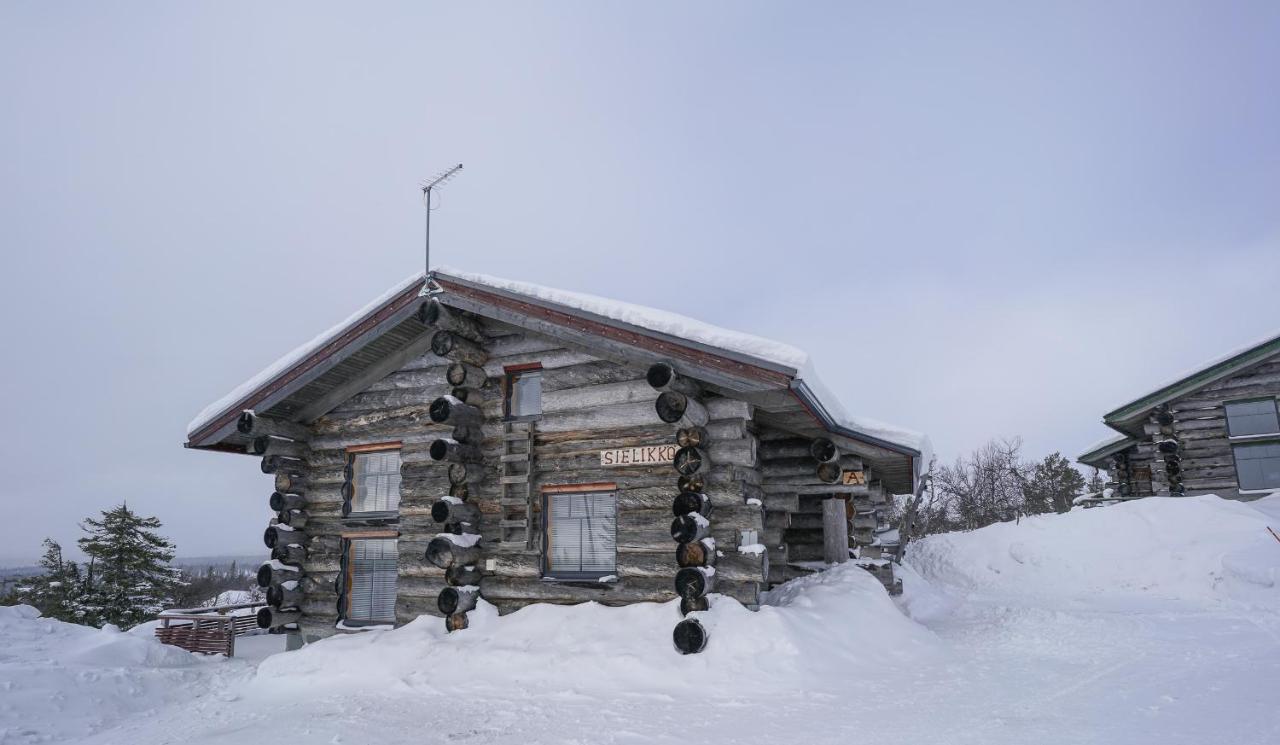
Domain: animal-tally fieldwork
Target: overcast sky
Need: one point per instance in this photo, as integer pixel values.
(981, 220)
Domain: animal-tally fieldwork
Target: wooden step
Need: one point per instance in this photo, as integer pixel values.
(515, 436)
(520, 478)
(520, 502)
(516, 458)
(512, 524)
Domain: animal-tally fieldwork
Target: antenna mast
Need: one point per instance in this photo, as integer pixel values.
(426, 199)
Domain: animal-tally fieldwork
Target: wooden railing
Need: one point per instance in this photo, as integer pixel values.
(207, 630)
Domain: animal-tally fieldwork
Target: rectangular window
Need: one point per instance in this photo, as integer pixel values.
(1257, 465)
(581, 535)
(375, 478)
(524, 392)
(1256, 417)
(371, 580)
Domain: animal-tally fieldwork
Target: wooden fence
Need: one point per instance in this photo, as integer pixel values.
(207, 630)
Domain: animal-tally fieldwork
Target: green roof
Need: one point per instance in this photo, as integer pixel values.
(1215, 370)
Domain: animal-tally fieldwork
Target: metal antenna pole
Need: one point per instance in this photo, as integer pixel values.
(426, 198)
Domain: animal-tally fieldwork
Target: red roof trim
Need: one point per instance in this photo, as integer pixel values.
(631, 338)
(390, 308)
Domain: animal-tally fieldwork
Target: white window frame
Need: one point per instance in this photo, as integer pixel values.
(1261, 438)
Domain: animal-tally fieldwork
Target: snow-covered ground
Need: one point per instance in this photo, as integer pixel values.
(1156, 621)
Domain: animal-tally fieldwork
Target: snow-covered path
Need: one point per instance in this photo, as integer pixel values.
(1019, 636)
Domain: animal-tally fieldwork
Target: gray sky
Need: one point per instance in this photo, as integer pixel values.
(981, 221)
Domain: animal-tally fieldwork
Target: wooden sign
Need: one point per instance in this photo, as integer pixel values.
(853, 478)
(646, 455)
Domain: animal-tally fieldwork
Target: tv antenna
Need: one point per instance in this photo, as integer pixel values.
(436, 183)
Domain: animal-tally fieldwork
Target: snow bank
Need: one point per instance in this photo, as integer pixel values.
(810, 635)
(1199, 550)
(59, 680)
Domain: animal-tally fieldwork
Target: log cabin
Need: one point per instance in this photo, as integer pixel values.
(1215, 430)
(467, 438)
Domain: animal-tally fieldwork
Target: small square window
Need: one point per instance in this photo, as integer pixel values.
(524, 394)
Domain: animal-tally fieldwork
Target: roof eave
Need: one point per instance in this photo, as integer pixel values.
(1129, 412)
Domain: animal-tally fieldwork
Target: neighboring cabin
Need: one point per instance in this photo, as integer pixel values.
(465, 437)
(1215, 430)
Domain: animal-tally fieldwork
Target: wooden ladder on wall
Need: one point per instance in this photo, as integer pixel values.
(516, 474)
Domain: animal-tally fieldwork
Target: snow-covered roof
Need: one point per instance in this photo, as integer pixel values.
(300, 353)
(653, 319)
(772, 354)
(1218, 367)
(1105, 447)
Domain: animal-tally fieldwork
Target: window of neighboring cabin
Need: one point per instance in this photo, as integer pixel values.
(371, 580)
(375, 480)
(1257, 465)
(1258, 417)
(524, 392)
(581, 535)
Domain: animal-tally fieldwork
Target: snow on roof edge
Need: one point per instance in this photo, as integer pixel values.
(1106, 442)
(299, 353)
(652, 319)
(917, 441)
(1220, 359)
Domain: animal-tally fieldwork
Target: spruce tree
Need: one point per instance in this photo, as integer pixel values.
(129, 579)
(56, 592)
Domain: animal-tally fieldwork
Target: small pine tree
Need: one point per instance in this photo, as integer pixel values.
(56, 592)
(129, 578)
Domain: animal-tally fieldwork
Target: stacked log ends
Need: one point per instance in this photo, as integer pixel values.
(692, 605)
(448, 550)
(674, 407)
(280, 502)
(697, 553)
(281, 576)
(273, 572)
(688, 501)
(829, 473)
(689, 461)
(450, 410)
(824, 450)
(690, 637)
(270, 618)
(689, 528)
(455, 512)
(285, 595)
(458, 348)
(458, 552)
(695, 582)
(455, 600)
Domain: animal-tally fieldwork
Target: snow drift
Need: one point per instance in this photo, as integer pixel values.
(59, 679)
(813, 632)
(1185, 549)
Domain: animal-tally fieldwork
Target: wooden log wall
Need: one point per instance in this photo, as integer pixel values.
(1198, 423)
(802, 477)
(589, 404)
(284, 449)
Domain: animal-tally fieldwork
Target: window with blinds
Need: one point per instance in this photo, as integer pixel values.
(376, 478)
(371, 578)
(581, 535)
